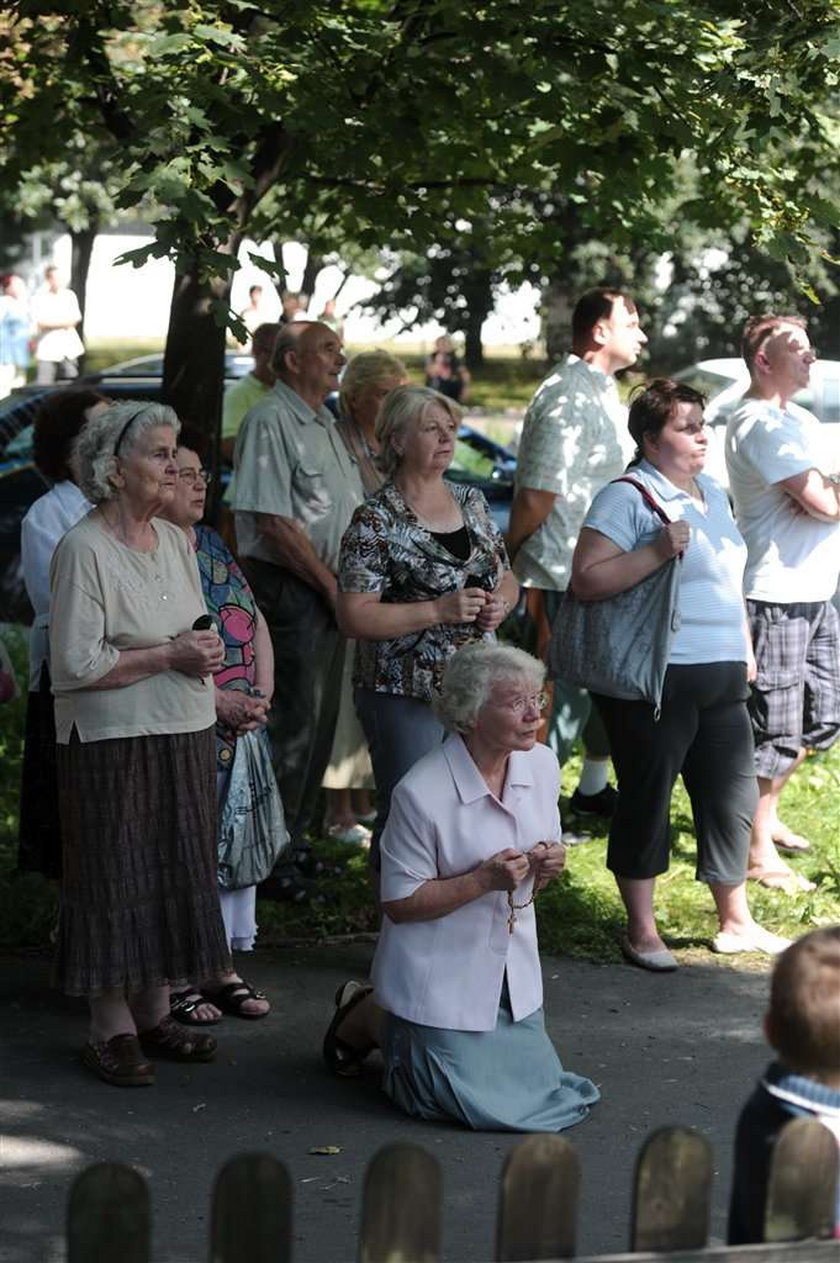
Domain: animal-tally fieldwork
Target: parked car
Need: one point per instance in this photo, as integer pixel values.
(478, 460)
(724, 381)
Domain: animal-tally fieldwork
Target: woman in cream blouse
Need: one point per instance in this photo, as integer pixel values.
(135, 726)
(472, 835)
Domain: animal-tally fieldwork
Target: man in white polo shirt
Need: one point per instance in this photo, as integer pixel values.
(787, 504)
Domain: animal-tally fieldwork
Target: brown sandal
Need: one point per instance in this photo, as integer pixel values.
(342, 1058)
(178, 1043)
(119, 1061)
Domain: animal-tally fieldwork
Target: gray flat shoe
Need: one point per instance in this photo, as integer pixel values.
(662, 962)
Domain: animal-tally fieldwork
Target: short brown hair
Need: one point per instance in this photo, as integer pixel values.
(57, 422)
(652, 405)
(592, 306)
(803, 1020)
(758, 329)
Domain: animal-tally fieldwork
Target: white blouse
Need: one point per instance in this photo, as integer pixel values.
(443, 821)
(45, 524)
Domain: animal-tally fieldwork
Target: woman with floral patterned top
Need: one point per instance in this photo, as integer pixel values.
(423, 571)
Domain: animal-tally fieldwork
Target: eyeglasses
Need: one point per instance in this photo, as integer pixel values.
(192, 476)
(518, 705)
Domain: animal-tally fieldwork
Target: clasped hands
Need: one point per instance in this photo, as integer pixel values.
(241, 712)
(473, 605)
(507, 869)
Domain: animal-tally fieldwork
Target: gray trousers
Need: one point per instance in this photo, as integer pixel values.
(308, 662)
(399, 731)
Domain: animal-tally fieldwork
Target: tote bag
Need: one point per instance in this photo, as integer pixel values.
(252, 828)
(620, 646)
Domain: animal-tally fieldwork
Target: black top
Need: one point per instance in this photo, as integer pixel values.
(455, 542)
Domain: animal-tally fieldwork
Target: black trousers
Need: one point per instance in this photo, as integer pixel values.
(704, 733)
(308, 663)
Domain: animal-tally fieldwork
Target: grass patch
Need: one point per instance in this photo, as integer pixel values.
(581, 915)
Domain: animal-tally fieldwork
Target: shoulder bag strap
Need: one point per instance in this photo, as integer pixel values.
(647, 497)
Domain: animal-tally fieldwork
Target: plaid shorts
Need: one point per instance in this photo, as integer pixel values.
(795, 699)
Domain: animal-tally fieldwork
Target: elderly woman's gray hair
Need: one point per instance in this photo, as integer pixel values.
(471, 674)
(122, 425)
(368, 368)
(404, 406)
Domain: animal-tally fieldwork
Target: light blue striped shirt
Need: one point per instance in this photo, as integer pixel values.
(711, 578)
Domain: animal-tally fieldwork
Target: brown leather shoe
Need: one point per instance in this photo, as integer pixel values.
(119, 1061)
(178, 1043)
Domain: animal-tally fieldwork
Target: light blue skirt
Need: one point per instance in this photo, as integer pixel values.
(507, 1079)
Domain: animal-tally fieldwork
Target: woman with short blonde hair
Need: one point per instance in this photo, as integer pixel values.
(423, 570)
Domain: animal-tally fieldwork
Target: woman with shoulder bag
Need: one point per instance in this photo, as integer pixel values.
(701, 730)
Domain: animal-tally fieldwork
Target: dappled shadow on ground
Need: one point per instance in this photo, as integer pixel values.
(679, 1048)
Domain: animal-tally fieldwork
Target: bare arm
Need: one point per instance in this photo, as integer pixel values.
(818, 496)
(264, 652)
(601, 569)
(442, 895)
(365, 616)
(295, 551)
(192, 653)
(529, 510)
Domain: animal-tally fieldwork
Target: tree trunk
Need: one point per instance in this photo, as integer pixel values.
(473, 349)
(314, 264)
(557, 319)
(477, 289)
(81, 251)
(194, 360)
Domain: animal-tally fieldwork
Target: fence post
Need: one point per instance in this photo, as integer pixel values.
(251, 1211)
(802, 1190)
(671, 1191)
(401, 1207)
(538, 1198)
(108, 1216)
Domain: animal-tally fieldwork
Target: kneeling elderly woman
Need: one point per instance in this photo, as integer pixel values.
(472, 835)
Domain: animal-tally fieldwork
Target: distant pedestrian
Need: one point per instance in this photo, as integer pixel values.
(57, 316)
(255, 313)
(15, 326)
(445, 373)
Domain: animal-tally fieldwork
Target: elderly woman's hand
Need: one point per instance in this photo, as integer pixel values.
(239, 711)
(546, 860)
(504, 870)
(197, 653)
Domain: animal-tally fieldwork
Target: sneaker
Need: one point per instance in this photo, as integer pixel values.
(601, 804)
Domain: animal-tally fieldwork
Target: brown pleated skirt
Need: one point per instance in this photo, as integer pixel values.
(139, 902)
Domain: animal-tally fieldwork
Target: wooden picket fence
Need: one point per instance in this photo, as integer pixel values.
(109, 1218)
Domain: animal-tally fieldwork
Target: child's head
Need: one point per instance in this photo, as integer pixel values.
(803, 1021)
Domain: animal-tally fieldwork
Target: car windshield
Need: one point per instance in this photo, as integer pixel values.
(702, 379)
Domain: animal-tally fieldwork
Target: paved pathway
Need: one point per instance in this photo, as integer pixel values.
(679, 1048)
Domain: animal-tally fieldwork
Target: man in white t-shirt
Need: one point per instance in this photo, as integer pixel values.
(571, 447)
(56, 313)
(787, 504)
